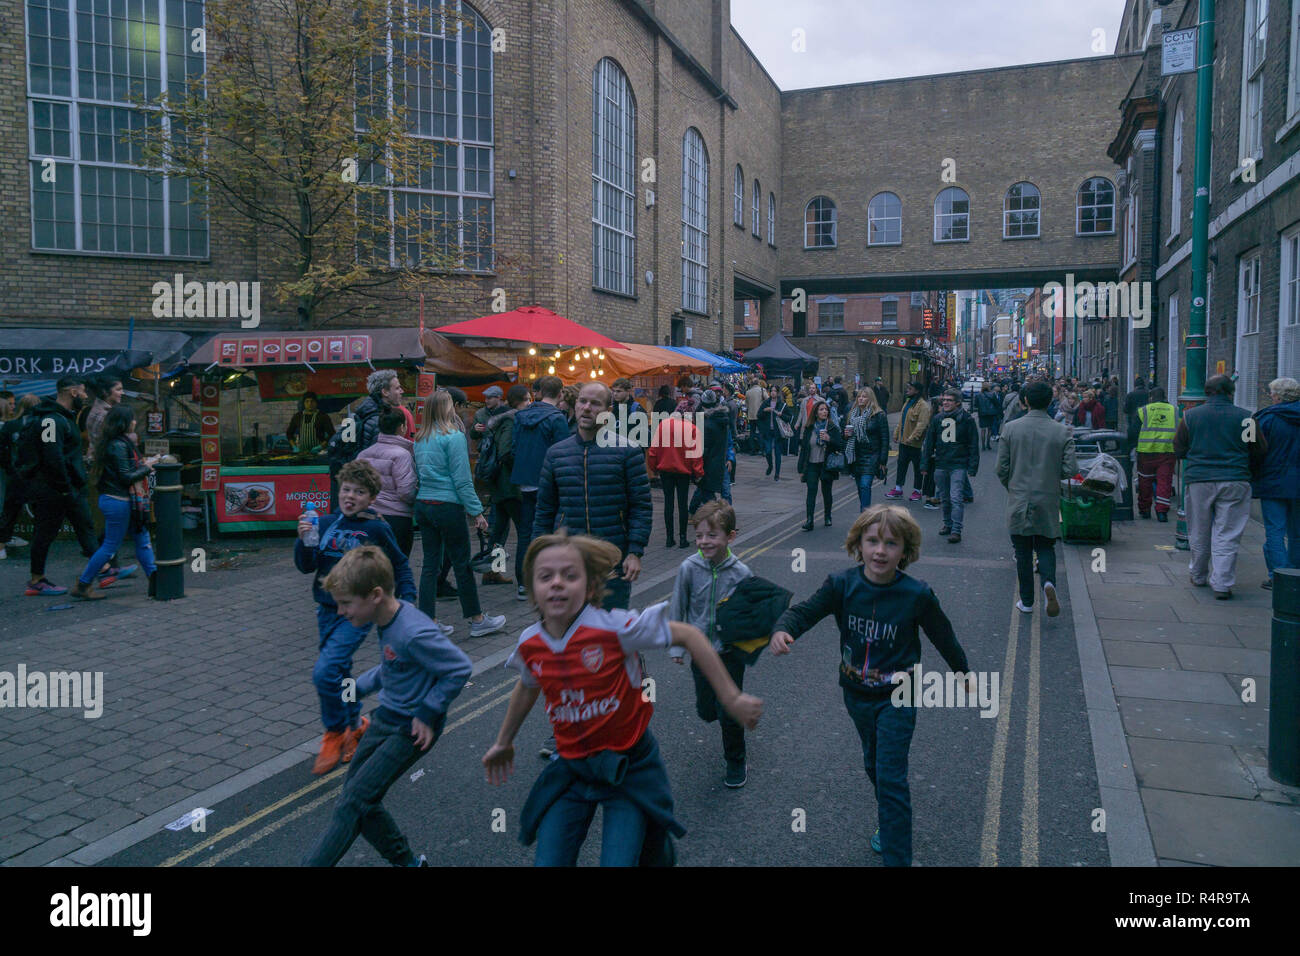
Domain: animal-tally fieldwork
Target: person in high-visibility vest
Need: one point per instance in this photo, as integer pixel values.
(1157, 421)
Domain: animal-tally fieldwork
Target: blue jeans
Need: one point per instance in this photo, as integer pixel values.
(949, 485)
(1281, 533)
(564, 828)
(117, 521)
(726, 483)
(339, 640)
(772, 451)
(886, 733)
(864, 481)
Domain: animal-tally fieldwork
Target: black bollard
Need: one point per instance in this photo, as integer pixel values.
(1284, 680)
(168, 545)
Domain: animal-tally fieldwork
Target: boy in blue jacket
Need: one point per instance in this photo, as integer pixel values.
(353, 525)
(420, 674)
(878, 609)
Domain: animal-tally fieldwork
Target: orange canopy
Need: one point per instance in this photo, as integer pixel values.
(628, 362)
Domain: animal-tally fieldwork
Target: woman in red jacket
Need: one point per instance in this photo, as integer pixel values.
(677, 454)
(1091, 413)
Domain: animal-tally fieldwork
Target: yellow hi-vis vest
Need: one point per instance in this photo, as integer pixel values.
(1157, 434)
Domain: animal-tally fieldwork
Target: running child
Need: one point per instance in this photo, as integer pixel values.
(878, 609)
(353, 525)
(585, 659)
(420, 673)
(704, 579)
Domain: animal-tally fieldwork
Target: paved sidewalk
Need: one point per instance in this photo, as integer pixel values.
(214, 690)
(1182, 666)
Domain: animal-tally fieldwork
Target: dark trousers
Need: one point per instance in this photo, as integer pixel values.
(443, 529)
(701, 497)
(1027, 545)
(886, 733)
(927, 483)
(619, 594)
(814, 474)
(385, 753)
(15, 498)
(403, 530)
(908, 456)
(49, 510)
(709, 708)
(772, 451)
(527, 517)
(506, 510)
(676, 489)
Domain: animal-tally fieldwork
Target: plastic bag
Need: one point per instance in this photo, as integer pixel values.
(1105, 476)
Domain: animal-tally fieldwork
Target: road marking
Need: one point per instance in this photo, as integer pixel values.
(1029, 817)
(998, 762)
(270, 828)
(332, 776)
(755, 552)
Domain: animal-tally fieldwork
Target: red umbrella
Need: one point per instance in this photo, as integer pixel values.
(532, 323)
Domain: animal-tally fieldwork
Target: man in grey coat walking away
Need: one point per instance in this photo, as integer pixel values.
(1034, 454)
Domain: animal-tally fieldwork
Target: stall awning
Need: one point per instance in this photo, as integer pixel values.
(35, 355)
(628, 362)
(723, 364)
(532, 324)
(335, 347)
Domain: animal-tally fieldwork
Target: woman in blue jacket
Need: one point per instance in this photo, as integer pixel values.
(445, 498)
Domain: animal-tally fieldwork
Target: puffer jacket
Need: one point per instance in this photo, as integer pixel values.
(367, 418)
(121, 468)
(603, 492)
(536, 429)
(1280, 475)
(392, 457)
(717, 429)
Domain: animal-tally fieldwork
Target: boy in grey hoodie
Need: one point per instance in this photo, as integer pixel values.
(704, 579)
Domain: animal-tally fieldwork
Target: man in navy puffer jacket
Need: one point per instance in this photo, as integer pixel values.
(597, 487)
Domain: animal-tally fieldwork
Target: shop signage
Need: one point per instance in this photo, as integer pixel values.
(251, 498)
(900, 341)
(293, 349)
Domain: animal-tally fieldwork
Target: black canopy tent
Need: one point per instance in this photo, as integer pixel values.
(780, 357)
(34, 354)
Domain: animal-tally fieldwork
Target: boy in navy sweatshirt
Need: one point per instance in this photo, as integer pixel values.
(355, 524)
(878, 609)
(420, 674)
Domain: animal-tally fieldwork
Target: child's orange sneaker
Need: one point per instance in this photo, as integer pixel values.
(352, 737)
(331, 749)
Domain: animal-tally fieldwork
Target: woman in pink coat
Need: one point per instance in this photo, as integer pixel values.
(391, 457)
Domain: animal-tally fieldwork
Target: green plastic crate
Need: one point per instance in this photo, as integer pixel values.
(1086, 519)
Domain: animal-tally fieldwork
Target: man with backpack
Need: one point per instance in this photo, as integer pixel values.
(536, 428)
(384, 391)
(496, 457)
(15, 491)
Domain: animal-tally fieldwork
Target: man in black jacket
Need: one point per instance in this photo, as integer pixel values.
(50, 444)
(953, 438)
(716, 432)
(599, 488)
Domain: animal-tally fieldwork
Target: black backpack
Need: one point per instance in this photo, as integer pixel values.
(341, 451)
(490, 461)
(25, 449)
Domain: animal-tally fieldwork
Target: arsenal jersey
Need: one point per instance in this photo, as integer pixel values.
(591, 677)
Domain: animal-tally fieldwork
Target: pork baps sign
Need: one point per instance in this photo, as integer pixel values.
(54, 363)
(31, 353)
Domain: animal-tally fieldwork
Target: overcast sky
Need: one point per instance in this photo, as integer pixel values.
(850, 41)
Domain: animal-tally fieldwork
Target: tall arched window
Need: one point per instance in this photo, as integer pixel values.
(695, 223)
(884, 220)
(757, 229)
(952, 215)
(738, 197)
(613, 173)
(1020, 211)
(1176, 186)
(771, 219)
(1095, 212)
(819, 224)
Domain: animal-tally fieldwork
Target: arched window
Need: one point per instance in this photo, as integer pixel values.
(884, 220)
(1020, 211)
(952, 215)
(819, 224)
(1095, 212)
(1176, 186)
(757, 229)
(695, 223)
(771, 219)
(738, 198)
(613, 174)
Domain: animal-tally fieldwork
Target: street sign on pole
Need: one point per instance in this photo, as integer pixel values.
(1178, 52)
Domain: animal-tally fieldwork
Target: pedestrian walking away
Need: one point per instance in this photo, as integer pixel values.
(536, 428)
(1278, 483)
(676, 454)
(391, 456)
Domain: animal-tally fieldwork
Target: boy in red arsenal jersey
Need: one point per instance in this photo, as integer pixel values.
(585, 660)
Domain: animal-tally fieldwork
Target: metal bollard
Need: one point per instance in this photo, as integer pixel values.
(168, 545)
(1284, 680)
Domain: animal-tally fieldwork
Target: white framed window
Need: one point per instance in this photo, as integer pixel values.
(1288, 323)
(771, 219)
(738, 197)
(1247, 360)
(1176, 183)
(1293, 64)
(613, 179)
(695, 223)
(830, 315)
(757, 228)
(819, 223)
(885, 220)
(889, 314)
(1255, 42)
(1175, 349)
(1020, 210)
(952, 215)
(88, 64)
(1095, 208)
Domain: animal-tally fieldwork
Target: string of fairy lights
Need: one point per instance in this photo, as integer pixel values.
(595, 356)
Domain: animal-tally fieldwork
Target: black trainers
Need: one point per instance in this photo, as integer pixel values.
(736, 777)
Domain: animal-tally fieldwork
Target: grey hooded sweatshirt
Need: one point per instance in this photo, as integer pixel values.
(699, 588)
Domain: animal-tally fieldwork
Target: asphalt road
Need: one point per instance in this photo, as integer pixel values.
(1018, 789)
